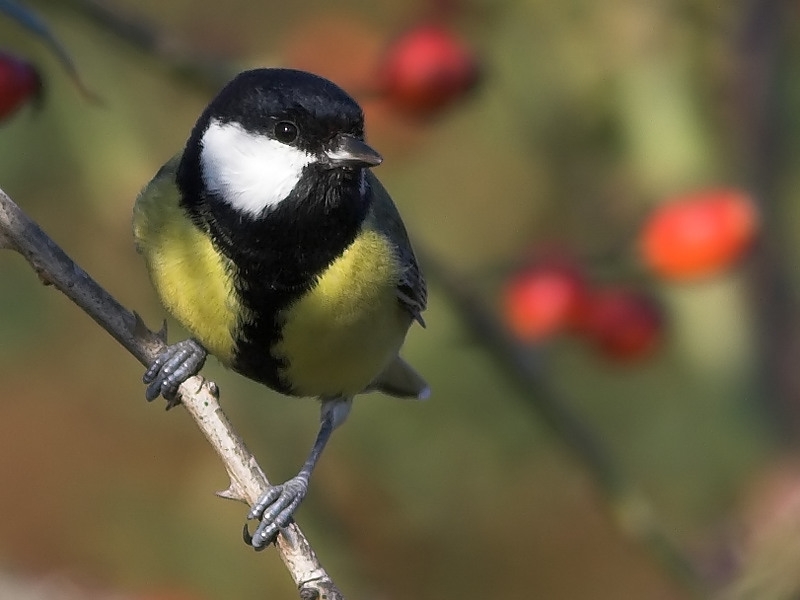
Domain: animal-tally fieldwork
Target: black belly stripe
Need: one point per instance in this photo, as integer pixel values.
(252, 356)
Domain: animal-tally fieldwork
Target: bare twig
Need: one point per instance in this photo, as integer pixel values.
(19, 233)
(761, 142)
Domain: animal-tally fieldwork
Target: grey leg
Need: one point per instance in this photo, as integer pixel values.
(277, 505)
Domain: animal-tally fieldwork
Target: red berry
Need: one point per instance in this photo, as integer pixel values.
(544, 299)
(427, 69)
(19, 83)
(624, 324)
(699, 234)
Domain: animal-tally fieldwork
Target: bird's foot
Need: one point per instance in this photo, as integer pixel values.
(274, 509)
(171, 368)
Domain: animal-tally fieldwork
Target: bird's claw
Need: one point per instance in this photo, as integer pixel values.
(274, 510)
(171, 368)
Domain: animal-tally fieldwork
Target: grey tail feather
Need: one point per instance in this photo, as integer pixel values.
(401, 380)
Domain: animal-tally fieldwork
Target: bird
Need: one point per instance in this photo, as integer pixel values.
(270, 239)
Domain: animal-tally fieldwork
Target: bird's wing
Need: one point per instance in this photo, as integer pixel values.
(158, 191)
(412, 291)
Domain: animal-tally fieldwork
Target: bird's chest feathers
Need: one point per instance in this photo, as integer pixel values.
(341, 334)
(192, 278)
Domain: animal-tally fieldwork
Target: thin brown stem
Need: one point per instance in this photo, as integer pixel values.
(200, 397)
(631, 510)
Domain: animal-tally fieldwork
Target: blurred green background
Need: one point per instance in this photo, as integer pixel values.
(587, 114)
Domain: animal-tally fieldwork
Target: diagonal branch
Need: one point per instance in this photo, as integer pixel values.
(200, 397)
(630, 508)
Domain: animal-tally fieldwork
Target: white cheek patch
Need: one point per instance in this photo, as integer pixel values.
(249, 171)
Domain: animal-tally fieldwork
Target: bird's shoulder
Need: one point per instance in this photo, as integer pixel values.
(384, 217)
(161, 188)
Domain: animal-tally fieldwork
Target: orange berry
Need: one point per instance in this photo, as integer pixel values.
(699, 234)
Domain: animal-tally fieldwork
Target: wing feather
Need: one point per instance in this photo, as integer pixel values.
(412, 292)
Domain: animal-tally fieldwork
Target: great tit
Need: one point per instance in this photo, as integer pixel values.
(271, 241)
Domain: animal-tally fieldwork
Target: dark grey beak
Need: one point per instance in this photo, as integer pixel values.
(346, 150)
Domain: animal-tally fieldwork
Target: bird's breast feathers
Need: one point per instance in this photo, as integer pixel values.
(191, 277)
(338, 337)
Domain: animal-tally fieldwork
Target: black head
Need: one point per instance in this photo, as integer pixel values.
(274, 170)
(260, 99)
(265, 131)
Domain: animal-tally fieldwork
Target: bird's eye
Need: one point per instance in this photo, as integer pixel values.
(286, 132)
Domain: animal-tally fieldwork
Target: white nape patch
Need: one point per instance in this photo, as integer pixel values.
(249, 171)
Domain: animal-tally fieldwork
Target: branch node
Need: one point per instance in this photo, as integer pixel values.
(232, 493)
(322, 589)
(310, 593)
(44, 279)
(140, 329)
(162, 333)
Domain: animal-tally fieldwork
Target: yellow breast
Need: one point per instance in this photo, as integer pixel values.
(341, 335)
(193, 281)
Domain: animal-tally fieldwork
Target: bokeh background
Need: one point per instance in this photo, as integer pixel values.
(586, 115)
